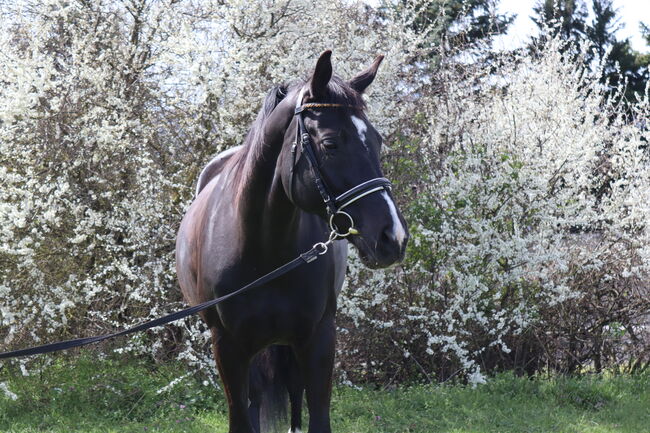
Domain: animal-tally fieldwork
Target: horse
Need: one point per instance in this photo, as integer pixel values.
(307, 172)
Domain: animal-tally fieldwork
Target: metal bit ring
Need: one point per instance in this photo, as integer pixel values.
(351, 230)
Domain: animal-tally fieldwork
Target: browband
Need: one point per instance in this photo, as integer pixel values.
(312, 105)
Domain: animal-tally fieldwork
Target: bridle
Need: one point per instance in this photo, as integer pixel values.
(334, 204)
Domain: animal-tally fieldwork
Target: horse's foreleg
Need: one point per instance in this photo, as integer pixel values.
(316, 360)
(233, 363)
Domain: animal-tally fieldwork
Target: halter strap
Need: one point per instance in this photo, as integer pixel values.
(307, 149)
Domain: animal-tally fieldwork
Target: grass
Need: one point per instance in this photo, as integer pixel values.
(90, 395)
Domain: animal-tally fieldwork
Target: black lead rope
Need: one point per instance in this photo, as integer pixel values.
(307, 257)
(334, 205)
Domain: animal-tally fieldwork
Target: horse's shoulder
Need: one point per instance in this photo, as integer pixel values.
(214, 167)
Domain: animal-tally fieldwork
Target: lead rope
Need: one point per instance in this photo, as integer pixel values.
(319, 249)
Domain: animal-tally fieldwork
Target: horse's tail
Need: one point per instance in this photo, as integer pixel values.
(271, 373)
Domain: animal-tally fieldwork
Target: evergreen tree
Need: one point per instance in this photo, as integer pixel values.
(568, 18)
(461, 24)
(620, 61)
(624, 63)
(603, 26)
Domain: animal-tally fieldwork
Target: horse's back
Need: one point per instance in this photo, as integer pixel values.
(188, 240)
(214, 167)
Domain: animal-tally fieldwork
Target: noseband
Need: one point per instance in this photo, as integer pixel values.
(333, 203)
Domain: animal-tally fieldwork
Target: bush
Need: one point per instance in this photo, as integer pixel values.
(525, 186)
(529, 231)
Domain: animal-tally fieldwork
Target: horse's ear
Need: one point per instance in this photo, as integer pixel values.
(363, 80)
(322, 75)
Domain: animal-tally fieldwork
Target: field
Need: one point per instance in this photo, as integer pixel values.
(89, 395)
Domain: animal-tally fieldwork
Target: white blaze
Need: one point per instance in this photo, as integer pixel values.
(398, 228)
(362, 128)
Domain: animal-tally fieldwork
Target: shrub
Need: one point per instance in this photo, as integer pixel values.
(529, 231)
(525, 186)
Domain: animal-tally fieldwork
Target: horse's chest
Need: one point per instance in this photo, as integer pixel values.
(286, 309)
(281, 312)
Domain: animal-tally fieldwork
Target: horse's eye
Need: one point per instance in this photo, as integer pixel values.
(329, 144)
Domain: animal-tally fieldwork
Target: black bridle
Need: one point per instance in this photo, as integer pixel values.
(334, 204)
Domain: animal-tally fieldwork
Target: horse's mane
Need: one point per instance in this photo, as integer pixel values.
(338, 92)
(255, 133)
(272, 99)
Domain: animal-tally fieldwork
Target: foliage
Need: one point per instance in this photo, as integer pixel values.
(524, 183)
(461, 24)
(93, 170)
(565, 18)
(529, 232)
(618, 62)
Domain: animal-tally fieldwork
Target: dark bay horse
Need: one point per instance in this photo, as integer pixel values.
(260, 205)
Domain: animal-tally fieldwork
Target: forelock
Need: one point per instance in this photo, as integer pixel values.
(338, 92)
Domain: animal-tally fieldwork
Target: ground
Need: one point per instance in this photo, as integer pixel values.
(90, 395)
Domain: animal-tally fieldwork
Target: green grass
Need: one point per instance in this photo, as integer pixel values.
(89, 395)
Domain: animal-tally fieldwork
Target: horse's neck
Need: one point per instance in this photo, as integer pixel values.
(267, 215)
(258, 167)
(269, 222)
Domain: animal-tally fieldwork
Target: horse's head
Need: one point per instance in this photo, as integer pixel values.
(340, 149)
